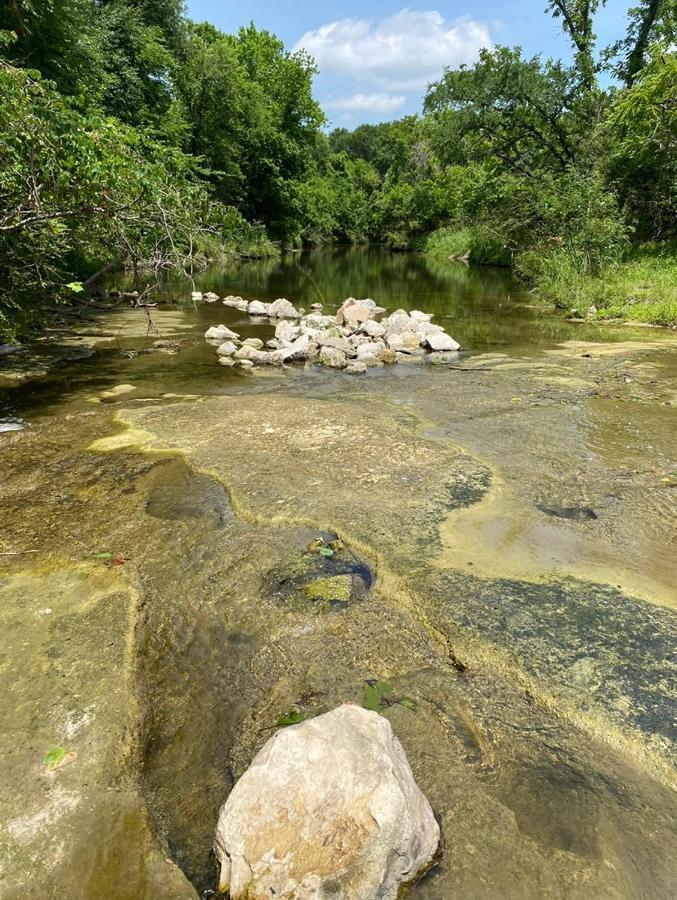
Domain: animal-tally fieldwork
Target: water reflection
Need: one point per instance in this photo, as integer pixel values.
(483, 307)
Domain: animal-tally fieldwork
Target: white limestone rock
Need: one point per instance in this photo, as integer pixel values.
(442, 342)
(283, 309)
(258, 308)
(332, 357)
(220, 333)
(328, 807)
(227, 348)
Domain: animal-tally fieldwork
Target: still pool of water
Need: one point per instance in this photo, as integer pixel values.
(507, 531)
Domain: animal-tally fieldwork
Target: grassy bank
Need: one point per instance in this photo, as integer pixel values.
(641, 287)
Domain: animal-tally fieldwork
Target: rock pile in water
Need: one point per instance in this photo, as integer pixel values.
(356, 338)
(328, 807)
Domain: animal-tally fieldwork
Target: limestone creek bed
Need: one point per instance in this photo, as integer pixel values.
(212, 645)
(241, 657)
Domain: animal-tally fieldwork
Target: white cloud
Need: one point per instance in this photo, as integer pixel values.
(402, 52)
(369, 103)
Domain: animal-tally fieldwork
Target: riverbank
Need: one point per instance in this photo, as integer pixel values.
(641, 288)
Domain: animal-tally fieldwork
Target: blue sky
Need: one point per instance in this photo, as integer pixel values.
(376, 58)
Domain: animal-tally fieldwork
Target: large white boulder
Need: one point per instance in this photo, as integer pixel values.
(220, 333)
(327, 339)
(283, 309)
(442, 342)
(258, 308)
(327, 808)
(227, 348)
(236, 303)
(352, 312)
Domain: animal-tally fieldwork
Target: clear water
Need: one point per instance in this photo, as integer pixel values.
(535, 638)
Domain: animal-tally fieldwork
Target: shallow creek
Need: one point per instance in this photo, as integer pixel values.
(505, 573)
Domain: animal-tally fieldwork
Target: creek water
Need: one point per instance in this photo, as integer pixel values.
(506, 566)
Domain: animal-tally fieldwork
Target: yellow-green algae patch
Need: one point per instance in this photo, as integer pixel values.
(123, 440)
(333, 587)
(501, 537)
(77, 830)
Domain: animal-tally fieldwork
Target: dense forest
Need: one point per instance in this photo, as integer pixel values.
(130, 135)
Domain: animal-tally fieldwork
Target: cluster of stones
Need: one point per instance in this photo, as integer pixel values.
(356, 338)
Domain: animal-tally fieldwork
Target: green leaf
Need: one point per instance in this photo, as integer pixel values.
(291, 718)
(373, 694)
(106, 554)
(54, 757)
(325, 551)
(75, 286)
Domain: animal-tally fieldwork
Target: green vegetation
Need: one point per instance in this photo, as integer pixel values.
(130, 135)
(531, 164)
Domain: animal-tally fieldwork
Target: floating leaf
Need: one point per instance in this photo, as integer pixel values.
(55, 757)
(290, 718)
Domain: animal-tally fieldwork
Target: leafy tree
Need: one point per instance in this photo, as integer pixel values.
(518, 111)
(641, 131)
(653, 21)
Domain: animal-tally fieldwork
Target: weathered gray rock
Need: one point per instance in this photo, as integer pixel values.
(332, 357)
(245, 364)
(399, 323)
(327, 339)
(286, 331)
(283, 309)
(327, 808)
(196, 295)
(314, 320)
(407, 342)
(227, 348)
(256, 343)
(357, 368)
(442, 342)
(258, 308)
(298, 350)
(426, 328)
(259, 357)
(236, 303)
(373, 328)
(387, 356)
(210, 297)
(227, 361)
(317, 307)
(220, 333)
